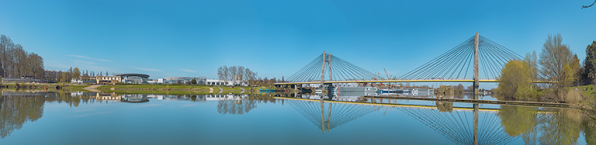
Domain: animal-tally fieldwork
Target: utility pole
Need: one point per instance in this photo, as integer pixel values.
(476, 85)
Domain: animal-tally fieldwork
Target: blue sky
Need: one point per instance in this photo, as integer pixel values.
(277, 38)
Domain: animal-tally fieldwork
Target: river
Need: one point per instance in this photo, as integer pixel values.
(97, 118)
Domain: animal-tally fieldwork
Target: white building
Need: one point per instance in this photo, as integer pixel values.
(178, 80)
(76, 81)
(214, 82)
(152, 81)
(225, 83)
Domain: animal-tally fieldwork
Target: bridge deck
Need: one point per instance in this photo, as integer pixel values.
(398, 81)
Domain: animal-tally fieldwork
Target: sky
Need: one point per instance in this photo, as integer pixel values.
(277, 38)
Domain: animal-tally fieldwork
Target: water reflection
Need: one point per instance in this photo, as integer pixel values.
(15, 111)
(332, 115)
(235, 104)
(134, 98)
(559, 127)
(461, 125)
(457, 126)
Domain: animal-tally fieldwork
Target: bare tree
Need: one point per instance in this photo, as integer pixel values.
(237, 73)
(233, 73)
(220, 73)
(553, 58)
(16, 62)
(583, 7)
(240, 73)
(249, 75)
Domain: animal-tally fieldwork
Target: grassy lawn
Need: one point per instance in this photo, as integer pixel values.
(589, 92)
(76, 87)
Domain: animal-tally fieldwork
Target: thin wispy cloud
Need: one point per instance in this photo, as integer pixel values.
(90, 58)
(57, 65)
(188, 70)
(147, 69)
(97, 68)
(83, 62)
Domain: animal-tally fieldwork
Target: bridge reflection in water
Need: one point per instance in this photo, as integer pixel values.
(336, 114)
(461, 126)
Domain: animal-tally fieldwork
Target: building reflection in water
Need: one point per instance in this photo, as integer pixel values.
(107, 96)
(134, 98)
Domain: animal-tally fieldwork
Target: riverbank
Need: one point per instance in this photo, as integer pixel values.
(140, 88)
(177, 89)
(30, 86)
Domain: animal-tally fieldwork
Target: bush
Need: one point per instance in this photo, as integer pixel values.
(517, 81)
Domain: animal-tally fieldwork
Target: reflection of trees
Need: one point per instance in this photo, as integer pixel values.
(445, 106)
(239, 105)
(16, 108)
(262, 98)
(589, 129)
(562, 127)
(235, 106)
(558, 126)
(65, 97)
(518, 120)
(15, 111)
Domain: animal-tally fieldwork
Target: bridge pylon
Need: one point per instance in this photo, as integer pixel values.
(476, 78)
(326, 59)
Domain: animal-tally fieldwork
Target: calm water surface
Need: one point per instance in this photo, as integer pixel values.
(90, 118)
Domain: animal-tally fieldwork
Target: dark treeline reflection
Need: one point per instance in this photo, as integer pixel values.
(16, 108)
(14, 111)
(554, 125)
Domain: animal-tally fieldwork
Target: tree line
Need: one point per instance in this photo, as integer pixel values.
(239, 73)
(71, 73)
(556, 63)
(16, 62)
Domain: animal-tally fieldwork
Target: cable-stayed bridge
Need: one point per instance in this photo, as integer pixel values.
(477, 59)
